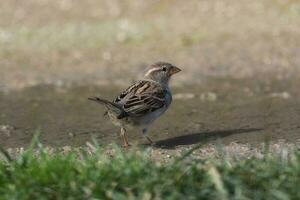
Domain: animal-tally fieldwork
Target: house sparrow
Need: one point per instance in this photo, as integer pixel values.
(143, 102)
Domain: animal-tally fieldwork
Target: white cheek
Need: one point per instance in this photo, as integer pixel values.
(151, 70)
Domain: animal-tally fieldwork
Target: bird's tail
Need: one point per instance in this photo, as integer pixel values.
(117, 109)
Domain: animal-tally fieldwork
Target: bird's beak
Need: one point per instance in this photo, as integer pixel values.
(174, 70)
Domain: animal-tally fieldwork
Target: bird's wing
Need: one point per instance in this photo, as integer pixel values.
(142, 98)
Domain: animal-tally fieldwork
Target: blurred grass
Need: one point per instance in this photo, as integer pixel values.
(68, 37)
(43, 41)
(96, 174)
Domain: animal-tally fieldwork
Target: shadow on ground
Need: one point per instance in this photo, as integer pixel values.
(204, 137)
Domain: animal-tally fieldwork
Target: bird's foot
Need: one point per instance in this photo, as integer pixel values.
(126, 145)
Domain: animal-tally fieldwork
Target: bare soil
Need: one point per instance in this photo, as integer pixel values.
(238, 111)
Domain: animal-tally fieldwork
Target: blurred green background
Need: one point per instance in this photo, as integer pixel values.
(110, 41)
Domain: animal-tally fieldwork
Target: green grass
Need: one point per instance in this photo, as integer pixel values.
(82, 174)
(71, 36)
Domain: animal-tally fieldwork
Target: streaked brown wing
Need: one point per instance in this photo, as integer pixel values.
(130, 90)
(142, 98)
(142, 104)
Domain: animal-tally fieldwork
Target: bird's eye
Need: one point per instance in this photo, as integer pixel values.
(164, 69)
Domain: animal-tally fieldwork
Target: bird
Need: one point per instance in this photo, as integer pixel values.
(142, 102)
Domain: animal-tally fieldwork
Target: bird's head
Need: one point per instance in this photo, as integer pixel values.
(161, 72)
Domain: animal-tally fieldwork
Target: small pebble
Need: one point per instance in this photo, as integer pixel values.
(71, 134)
(184, 96)
(209, 96)
(283, 95)
(6, 130)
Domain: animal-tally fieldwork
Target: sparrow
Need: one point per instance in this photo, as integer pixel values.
(143, 102)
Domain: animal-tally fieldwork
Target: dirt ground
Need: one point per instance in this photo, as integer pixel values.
(240, 61)
(230, 110)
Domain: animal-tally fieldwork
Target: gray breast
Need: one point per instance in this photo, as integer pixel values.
(168, 98)
(149, 118)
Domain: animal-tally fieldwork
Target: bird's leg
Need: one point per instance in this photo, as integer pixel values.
(124, 136)
(145, 135)
(149, 139)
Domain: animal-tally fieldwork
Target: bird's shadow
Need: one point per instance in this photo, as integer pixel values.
(203, 137)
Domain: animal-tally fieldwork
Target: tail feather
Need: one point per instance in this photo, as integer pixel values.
(111, 106)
